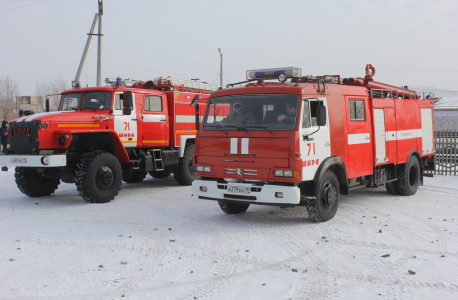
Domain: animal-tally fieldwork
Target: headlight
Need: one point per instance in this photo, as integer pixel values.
(45, 160)
(62, 140)
(288, 173)
(205, 169)
(279, 173)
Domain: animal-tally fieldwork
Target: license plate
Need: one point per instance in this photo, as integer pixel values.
(238, 189)
(19, 160)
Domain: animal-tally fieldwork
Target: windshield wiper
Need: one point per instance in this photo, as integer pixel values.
(242, 128)
(220, 127)
(262, 127)
(83, 107)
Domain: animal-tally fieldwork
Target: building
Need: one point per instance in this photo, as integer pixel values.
(29, 103)
(446, 114)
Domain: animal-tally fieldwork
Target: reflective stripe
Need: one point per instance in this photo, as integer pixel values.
(359, 138)
(78, 125)
(234, 142)
(153, 118)
(245, 145)
(153, 142)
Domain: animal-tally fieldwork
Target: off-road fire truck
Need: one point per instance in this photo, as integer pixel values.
(103, 135)
(305, 140)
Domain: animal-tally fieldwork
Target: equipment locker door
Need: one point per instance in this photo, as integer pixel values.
(155, 125)
(358, 137)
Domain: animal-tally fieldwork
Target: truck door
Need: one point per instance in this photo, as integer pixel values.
(317, 146)
(125, 125)
(358, 137)
(155, 123)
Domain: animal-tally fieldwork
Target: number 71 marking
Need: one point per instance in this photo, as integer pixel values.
(311, 145)
(126, 126)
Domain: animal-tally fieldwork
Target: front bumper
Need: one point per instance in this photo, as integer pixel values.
(266, 194)
(34, 161)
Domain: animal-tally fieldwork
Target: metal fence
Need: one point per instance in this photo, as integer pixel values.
(446, 158)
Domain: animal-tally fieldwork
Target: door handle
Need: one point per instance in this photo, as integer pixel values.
(368, 137)
(134, 119)
(327, 144)
(162, 120)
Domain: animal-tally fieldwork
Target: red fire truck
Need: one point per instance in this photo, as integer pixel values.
(103, 135)
(305, 140)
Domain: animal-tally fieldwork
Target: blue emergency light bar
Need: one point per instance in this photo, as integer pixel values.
(273, 73)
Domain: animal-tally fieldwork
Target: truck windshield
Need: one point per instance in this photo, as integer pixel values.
(96, 100)
(69, 101)
(270, 111)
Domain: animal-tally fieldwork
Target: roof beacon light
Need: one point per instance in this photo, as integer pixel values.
(76, 84)
(274, 73)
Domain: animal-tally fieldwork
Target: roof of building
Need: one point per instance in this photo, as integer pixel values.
(447, 103)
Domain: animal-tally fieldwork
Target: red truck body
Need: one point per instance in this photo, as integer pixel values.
(147, 127)
(369, 137)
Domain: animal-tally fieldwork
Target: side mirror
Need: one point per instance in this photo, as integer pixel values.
(321, 115)
(194, 100)
(127, 103)
(20, 113)
(197, 115)
(47, 104)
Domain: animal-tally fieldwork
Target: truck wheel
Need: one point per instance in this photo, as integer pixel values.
(161, 174)
(185, 173)
(392, 187)
(233, 208)
(136, 177)
(98, 177)
(409, 177)
(34, 184)
(324, 207)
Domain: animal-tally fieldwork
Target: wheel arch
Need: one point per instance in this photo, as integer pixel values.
(417, 154)
(184, 141)
(337, 166)
(106, 141)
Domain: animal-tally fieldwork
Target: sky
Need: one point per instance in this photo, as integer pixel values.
(410, 43)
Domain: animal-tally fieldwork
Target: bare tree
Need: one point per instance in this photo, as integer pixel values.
(9, 90)
(56, 86)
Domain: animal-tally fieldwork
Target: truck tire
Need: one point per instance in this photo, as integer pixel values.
(136, 177)
(233, 208)
(409, 177)
(392, 187)
(185, 173)
(34, 184)
(161, 174)
(98, 177)
(324, 207)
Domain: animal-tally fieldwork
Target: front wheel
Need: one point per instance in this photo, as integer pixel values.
(34, 184)
(98, 177)
(185, 173)
(409, 177)
(324, 207)
(233, 208)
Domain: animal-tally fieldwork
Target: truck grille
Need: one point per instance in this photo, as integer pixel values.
(247, 172)
(23, 137)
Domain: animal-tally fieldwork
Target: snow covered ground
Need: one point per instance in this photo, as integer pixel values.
(157, 241)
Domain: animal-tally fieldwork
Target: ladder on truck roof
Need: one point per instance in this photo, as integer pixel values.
(189, 84)
(168, 81)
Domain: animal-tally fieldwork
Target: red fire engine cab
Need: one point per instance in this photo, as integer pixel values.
(305, 141)
(101, 136)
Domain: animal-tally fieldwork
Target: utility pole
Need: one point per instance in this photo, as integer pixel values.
(88, 42)
(221, 68)
(99, 48)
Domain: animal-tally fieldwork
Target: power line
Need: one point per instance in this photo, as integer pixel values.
(296, 63)
(21, 6)
(11, 2)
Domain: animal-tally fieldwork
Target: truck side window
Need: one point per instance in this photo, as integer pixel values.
(153, 103)
(306, 115)
(356, 110)
(118, 103)
(313, 105)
